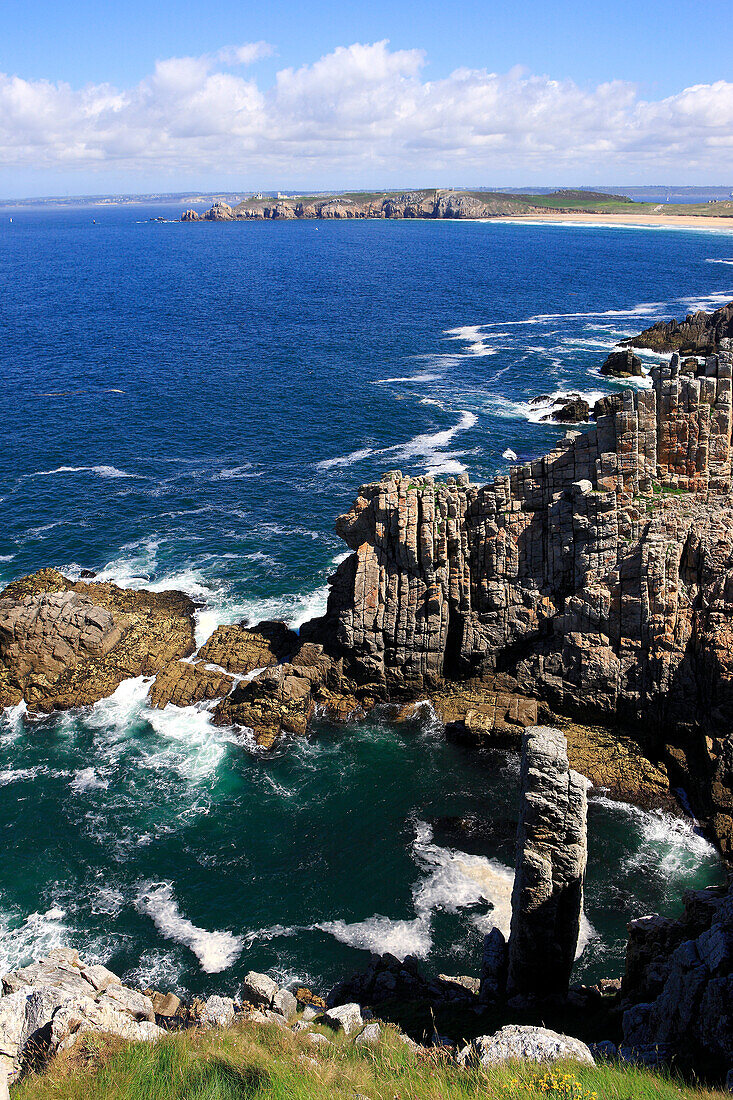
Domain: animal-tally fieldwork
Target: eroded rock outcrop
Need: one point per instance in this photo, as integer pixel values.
(547, 897)
(678, 986)
(700, 333)
(49, 1005)
(411, 204)
(600, 576)
(623, 364)
(66, 644)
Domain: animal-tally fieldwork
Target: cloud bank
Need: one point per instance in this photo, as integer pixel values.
(362, 112)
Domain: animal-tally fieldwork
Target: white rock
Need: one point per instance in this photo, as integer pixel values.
(258, 988)
(310, 1013)
(301, 1025)
(530, 1044)
(6, 1068)
(285, 1003)
(72, 1019)
(99, 977)
(130, 1001)
(369, 1035)
(318, 1040)
(217, 1012)
(12, 1024)
(346, 1018)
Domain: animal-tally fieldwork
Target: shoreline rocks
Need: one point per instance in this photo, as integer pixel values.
(700, 333)
(623, 364)
(65, 644)
(412, 204)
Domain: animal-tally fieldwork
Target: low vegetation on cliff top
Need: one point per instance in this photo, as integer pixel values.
(252, 1061)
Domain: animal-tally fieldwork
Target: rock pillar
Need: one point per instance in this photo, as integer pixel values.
(547, 899)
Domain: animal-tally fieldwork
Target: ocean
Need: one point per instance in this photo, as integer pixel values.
(191, 406)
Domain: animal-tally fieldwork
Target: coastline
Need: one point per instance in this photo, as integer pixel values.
(661, 221)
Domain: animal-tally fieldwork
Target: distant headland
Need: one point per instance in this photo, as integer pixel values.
(440, 203)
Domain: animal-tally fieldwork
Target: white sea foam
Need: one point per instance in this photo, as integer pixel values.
(99, 471)
(346, 460)
(452, 881)
(380, 934)
(87, 779)
(535, 411)
(422, 377)
(15, 775)
(707, 302)
(21, 943)
(719, 262)
(6, 557)
(157, 970)
(429, 446)
(671, 846)
(236, 473)
(12, 720)
(471, 335)
(216, 951)
(189, 744)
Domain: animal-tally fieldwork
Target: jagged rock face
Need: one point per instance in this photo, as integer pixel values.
(600, 575)
(623, 364)
(700, 333)
(547, 898)
(65, 645)
(678, 985)
(48, 1006)
(220, 212)
(434, 204)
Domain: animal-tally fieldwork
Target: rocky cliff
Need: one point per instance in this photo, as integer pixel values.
(411, 204)
(700, 333)
(600, 576)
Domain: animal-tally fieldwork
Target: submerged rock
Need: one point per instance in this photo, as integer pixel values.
(547, 898)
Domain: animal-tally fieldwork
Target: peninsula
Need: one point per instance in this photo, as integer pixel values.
(437, 203)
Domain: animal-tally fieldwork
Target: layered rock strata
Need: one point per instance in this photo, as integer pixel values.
(600, 576)
(547, 897)
(700, 333)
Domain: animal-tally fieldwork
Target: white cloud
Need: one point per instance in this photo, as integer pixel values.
(246, 54)
(362, 112)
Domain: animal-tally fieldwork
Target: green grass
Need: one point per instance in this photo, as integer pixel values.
(250, 1061)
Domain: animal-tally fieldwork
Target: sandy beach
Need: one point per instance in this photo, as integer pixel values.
(661, 221)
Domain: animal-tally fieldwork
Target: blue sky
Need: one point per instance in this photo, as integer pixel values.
(468, 93)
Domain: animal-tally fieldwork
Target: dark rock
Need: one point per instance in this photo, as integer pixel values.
(623, 364)
(700, 333)
(570, 409)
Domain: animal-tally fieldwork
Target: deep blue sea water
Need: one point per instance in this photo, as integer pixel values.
(191, 406)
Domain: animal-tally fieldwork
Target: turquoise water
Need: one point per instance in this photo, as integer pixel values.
(191, 406)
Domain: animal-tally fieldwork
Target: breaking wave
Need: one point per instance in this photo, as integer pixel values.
(216, 951)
